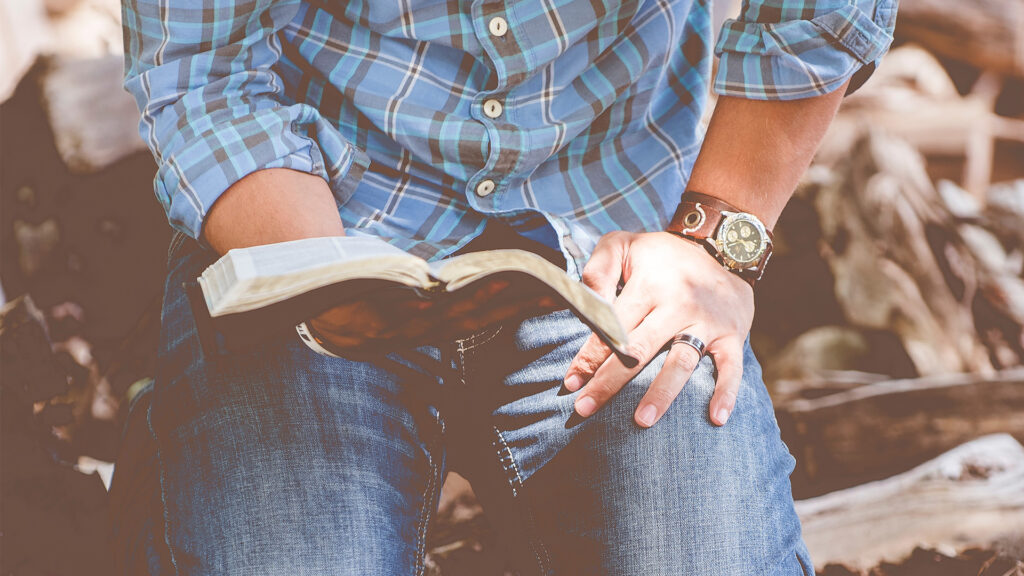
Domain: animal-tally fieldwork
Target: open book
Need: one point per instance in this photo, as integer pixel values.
(250, 293)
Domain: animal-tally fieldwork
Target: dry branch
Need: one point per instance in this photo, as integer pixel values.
(879, 429)
(988, 34)
(969, 496)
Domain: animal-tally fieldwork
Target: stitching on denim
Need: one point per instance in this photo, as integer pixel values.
(545, 568)
(163, 491)
(474, 343)
(460, 351)
(425, 513)
(508, 463)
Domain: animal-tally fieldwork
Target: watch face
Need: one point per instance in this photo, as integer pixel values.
(741, 240)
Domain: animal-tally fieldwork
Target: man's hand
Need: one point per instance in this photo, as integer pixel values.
(670, 285)
(752, 157)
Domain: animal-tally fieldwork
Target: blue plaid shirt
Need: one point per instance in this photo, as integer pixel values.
(566, 119)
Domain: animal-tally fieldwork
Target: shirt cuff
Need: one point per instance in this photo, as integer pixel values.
(802, 58)
(190, 180)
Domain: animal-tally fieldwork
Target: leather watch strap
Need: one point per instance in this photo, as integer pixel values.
(712, 209)
(698, 218)
(698, 215)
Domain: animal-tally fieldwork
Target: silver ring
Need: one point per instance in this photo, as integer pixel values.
(691, 341)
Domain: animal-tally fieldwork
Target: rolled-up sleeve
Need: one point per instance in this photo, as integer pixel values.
(213, 108)
(790, 49)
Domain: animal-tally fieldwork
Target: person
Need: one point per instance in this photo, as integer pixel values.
(571, 128)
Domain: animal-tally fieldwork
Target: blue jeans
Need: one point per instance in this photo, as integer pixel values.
(280, 461)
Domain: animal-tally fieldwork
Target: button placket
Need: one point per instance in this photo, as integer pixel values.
(491, 108)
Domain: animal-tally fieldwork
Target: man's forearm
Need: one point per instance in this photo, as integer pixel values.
(755, 151)
(273, 205)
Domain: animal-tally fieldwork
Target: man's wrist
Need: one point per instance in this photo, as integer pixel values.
(738, 240)
(313, 340)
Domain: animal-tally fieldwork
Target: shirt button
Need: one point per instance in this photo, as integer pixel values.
(484, 188)
(498, 26)
(493, 108)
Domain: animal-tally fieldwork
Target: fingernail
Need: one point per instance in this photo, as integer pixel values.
(723, 415)
(646, 415)
(586, 406)
(573, 382)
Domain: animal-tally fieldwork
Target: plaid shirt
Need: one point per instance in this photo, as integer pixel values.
(565, 118)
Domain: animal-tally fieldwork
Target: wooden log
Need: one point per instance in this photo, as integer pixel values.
(876, 430)
(972, 495)
(821, 383)
(988, 34)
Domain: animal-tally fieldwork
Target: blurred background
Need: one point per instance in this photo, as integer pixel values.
(890, 322)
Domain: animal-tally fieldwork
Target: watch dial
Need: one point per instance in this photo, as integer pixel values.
(742, 241)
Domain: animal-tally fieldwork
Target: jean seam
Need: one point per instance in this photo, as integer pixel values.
(163, 492)
(508, 463)
(425, 511)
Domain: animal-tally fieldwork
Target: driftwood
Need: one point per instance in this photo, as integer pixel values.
(821, 383)
(988, 34)
(972, 495)
(1005, 210)
(94, 121)
(893, 252)
(24, 32)
(937, 265)
(1003, 559)
(53, 517)
(880, 429)
(913, 98)
(76, 94)
(903, 262)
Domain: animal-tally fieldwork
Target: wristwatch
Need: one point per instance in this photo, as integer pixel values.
(313, 341)
(737, 239)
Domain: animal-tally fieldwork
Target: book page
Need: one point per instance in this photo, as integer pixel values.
(249, 278)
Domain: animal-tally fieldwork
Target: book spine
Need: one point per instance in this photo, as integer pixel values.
(431, 291)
